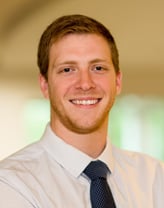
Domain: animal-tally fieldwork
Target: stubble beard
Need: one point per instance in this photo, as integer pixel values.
(83, 125)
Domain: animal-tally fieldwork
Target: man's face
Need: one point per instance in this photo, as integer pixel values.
(82, 83)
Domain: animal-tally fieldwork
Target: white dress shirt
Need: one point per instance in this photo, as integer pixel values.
(49, 174)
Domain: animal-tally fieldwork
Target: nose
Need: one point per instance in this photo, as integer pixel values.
(85, 81)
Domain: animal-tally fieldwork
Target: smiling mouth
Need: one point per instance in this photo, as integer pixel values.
(85, 102)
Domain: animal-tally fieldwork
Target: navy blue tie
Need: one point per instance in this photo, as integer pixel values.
(100, 193)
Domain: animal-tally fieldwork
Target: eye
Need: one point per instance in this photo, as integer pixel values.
(66, 70)
(98, 68)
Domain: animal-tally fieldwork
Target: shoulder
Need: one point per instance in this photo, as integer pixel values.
(25, 160)
(18, 172)
(27, 153)
(137, 161)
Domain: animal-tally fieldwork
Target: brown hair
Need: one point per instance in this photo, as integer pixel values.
(72, 24)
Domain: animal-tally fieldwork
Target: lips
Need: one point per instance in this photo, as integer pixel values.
(85, 101)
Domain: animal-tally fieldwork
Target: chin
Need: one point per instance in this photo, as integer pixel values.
(85, 129)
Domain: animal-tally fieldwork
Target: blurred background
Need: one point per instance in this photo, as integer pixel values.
(137, 120)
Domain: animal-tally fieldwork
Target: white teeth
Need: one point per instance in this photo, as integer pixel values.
(84, 102)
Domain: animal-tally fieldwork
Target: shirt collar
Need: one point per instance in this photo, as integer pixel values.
(70, 158)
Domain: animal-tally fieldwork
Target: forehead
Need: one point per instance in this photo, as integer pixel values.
(79, 41)
(80, 49)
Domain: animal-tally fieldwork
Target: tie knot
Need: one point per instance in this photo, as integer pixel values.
(96, 169)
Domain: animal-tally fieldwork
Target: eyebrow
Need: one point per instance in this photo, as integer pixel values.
(90, 62)
(99, 60)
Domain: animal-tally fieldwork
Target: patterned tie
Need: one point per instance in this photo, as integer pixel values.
(101, 196)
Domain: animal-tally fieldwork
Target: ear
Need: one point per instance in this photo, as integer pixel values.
(118, 82)
(44, 85)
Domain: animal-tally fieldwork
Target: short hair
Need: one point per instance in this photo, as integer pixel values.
(72, 24)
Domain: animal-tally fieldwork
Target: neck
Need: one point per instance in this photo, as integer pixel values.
(91, 144)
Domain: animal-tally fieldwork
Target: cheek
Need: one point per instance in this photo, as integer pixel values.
(57, 90)
(109, 87)
(107, 84)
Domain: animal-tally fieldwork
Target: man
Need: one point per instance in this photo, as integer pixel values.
(80, 75)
